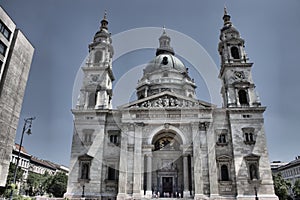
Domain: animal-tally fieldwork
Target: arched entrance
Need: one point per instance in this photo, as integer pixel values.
(167, 164)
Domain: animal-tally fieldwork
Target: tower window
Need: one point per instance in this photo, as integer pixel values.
(249, 135)
(253, 171)
(222, 138)
(243, 97)
(112, 175)
(252, 162)
(84, 167)
(224, 167)
(98, 56)
(114, 139)
(85, 170)
(224, 173)
(235, 52)
(92, 99)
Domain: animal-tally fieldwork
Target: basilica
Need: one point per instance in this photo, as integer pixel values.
(167, 143)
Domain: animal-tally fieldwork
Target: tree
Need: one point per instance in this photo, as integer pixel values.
(281, 187)
(37, 184)
(58, 184)
(296, 189)
(10, 177)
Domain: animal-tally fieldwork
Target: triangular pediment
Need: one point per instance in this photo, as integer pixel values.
(167, 100)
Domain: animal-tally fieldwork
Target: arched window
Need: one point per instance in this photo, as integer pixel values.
(92, 99)
(243, 97)
(98, 56)
(85, 170)
(253, 171)
(235, 52)
(224, 173)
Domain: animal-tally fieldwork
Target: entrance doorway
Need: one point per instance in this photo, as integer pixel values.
(167, 186)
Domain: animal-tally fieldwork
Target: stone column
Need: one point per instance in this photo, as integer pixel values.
(149, 175)
(186, 192)
(212, 163)
(137, 161)
(123, 166)
(198, 173)
(192, 176)
(86, 99)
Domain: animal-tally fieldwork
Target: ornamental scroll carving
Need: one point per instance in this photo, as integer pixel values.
(167, 101)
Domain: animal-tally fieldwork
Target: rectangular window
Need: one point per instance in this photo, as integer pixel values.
(3, 48)
(4, 30)
(111, 173)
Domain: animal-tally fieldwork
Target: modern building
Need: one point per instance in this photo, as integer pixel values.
(15, 60)
(168, 143)
(290, 171)
(275, 166)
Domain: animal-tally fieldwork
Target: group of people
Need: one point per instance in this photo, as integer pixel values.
(167, 195)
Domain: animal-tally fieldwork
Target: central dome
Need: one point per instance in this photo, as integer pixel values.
(165, 62)
(165, 73)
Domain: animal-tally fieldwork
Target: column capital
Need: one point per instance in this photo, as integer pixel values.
(127, 127)
(148, 155)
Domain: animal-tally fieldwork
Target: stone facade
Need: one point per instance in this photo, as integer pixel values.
(16, 54)
(167, 143)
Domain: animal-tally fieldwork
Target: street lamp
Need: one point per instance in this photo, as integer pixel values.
(27, 128)
(255, 190)
(83, 191)
(256, 184)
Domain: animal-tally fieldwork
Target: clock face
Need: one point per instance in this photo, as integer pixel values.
(94, 77)
(239, 75)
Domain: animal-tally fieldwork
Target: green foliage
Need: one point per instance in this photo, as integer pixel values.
(9, 182)
(281, 187)
(58, 184)
(296, 189)
(37, 184)
(10, 176)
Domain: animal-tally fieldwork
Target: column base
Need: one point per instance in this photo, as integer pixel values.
(200, 197)
(260, 197)
(121, 196)
(186, 194)
(136, 196)
(148, 194)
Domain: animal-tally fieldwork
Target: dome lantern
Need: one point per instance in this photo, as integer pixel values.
(164, 44)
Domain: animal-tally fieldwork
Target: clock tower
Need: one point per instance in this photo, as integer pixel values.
(244, 115)
(96, 91)
(238, 88)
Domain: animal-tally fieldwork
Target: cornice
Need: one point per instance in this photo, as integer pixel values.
(246, 109)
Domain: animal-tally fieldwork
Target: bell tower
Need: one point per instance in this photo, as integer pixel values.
(238, 88)
(96, 90)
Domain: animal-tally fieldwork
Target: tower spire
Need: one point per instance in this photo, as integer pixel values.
(226, 17)
(104, 21)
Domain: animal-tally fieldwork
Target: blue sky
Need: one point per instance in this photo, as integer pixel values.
(61, 31)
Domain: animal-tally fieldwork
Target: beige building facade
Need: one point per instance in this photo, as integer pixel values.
(167, 143)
